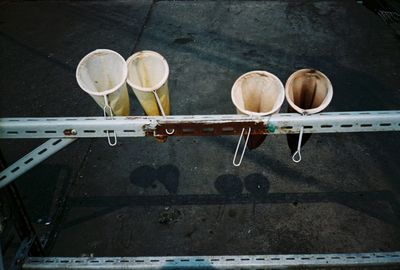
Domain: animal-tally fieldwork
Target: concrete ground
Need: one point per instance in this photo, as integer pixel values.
(184, 197)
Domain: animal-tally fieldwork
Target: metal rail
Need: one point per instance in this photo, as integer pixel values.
(198, 125)
(63, 131)
(325, 261)
(33, 158)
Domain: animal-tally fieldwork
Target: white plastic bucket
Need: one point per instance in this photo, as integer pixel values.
(308, 91)
(148, 73)
(256, 93)
(102, 74)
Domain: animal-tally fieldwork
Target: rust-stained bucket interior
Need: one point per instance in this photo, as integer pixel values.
(257, 93)
(308, 91)
(148, 71)
(102, 73)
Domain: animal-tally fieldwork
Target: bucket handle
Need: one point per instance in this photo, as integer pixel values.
(237, 164)
(162, 111)
(297, 155)
(105, 108)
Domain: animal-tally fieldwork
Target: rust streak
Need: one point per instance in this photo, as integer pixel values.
(207, 129)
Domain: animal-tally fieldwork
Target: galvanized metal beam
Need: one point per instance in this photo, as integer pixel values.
(63, 131)
(298, 261)
(30, 160)
(198, 125)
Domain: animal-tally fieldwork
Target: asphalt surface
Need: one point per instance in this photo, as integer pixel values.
(184, 197)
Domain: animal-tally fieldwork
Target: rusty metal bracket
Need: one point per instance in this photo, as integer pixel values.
(208, 129)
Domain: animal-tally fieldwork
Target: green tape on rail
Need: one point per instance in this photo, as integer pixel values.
(271, 128)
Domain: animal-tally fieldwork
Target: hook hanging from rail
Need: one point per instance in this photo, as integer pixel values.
(105, 108)
(297, 155)
(162, 111)
(244, 148)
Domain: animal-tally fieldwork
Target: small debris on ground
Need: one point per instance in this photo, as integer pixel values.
(169, 216)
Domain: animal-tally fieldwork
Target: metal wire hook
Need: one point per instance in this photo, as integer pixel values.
(170, 132)
(297, 155)
(162, 111)
(107, 106)
(115, 138)
(244, 148)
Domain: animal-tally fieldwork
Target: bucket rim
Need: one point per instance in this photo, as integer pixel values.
(160, 83)
(327, 100)
(281, 97)
(109, 91)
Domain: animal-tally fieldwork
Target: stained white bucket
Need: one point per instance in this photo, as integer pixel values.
(256, 93)
(308, 91)
(102, 74)
(148, 73)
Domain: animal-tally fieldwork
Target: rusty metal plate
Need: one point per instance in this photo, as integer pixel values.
(208, 129)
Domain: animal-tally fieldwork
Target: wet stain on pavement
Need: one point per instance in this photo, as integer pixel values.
(147, 176)
(257, 184)
(183, 40)
(229, 185)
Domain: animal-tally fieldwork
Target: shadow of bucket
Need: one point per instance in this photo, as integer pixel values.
(256, 93)
(148, 73)
(102, 74)
(308, 91)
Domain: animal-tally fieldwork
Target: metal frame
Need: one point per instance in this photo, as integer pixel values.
(63, 131)
(30, 244)
(325, 261)
(32, 159)
(22, 253)
(198, 125)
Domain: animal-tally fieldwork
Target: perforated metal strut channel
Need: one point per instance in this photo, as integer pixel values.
(30, 160)
(299, 261)
(199, 125)
(62, 131)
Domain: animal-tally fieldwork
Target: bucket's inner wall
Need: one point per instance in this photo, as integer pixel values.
(308, 90)
(146, 70)
(102, 71)
(258, 93)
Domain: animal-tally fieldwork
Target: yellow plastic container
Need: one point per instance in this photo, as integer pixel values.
(102, 74)
(148, 73)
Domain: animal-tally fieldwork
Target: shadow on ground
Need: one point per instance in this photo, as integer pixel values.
(231, 191)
